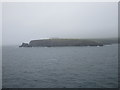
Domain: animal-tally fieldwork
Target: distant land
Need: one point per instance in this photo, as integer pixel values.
(60, 42)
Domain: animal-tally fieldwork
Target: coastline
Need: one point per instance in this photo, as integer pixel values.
(68, 42)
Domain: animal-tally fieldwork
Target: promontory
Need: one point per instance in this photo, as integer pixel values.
(68, 42)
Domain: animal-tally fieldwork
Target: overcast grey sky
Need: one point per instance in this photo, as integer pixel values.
(23, 22)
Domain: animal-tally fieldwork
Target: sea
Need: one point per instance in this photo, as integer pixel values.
(60, 67)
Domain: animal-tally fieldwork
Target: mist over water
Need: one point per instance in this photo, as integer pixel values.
(23, 22)
(59, 67)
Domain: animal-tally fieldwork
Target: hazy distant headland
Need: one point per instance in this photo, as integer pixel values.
(57, 42)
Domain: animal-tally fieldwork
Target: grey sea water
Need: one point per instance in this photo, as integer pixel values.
(59, 67)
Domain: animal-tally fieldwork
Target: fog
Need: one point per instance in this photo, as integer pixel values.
(23, 22)
(0, 45)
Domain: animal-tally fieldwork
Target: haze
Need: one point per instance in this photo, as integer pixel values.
(23, 22)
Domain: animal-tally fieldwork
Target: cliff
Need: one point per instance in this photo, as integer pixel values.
(68, 42)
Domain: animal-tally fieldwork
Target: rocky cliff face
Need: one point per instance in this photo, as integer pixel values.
(64, 42)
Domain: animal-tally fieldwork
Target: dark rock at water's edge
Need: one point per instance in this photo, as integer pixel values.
(68, 42)
(25, 45)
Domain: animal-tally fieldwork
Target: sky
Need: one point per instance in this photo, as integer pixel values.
(0, 24)
(25, 21)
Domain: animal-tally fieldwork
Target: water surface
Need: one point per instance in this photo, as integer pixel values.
(59, 67)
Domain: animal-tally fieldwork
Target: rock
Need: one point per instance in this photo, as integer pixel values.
(25, 45)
